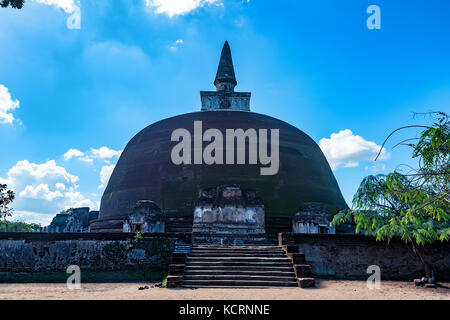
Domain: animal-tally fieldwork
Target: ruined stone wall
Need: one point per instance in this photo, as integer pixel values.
(229, 219)
(42, 252)
(348, 256)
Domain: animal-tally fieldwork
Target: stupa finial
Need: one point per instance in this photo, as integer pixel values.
(225, 77)
(225, 98)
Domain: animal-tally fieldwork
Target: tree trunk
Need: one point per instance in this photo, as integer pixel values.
(428, 269)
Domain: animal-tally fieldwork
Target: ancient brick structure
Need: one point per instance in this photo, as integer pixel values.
(145, 169)
(228, 214)
(146, 217)
(312, 218)
(72, 220)
(39, 251)
(349, 256)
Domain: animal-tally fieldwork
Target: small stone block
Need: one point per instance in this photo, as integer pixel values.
(174, 281)
(302, 270)
(430, 285)
(306, 282)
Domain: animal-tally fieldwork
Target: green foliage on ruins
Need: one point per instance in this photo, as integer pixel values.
(17, 4)
(138, 236)
(412, 206)
(6, 198)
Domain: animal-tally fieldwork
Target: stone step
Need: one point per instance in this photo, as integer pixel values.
(235, 283)
(302, 270)
(270, 250)
(236, 254)
(238, 277)
(221, 241)
(237, 259)
(237, 247)
(274, 273)
(240, 264)
(245, 258)
(178, 229)
(208, 267)
(227, 228)
(306, 282)
(238, 287)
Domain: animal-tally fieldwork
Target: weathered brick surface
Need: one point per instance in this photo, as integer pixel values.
(297, 258)
(182, 237)
(290, 248)
(348, 256)
(178, 258)
(57, 255)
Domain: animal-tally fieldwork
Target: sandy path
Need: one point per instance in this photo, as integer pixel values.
(327, 289)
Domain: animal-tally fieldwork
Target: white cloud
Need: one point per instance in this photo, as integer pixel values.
(178, 7)
(60, 186)
(70, 7)
(105, 174)
(346, 149)
(43, 189)
(351, 164)
(7, 104)
(72, 153)
(86, 159)
(38, 172)
(74, 199)
(174, 46)
(379, 167)
(28, 216)
(67, 5)
(105, 153)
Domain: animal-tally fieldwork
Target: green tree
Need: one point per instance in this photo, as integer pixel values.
(6, 198)
(18, 4)
(17, 226)
(412, 206)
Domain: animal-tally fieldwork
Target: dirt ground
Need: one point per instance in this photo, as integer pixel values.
(326, 289)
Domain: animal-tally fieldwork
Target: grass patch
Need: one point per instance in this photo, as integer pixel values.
(164, 279)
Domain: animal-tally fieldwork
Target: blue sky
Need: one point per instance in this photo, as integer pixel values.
(314, 64)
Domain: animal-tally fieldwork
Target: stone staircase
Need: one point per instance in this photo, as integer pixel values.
(239, 267)
(230, 238)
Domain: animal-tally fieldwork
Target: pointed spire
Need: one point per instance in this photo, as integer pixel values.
(225, 77)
